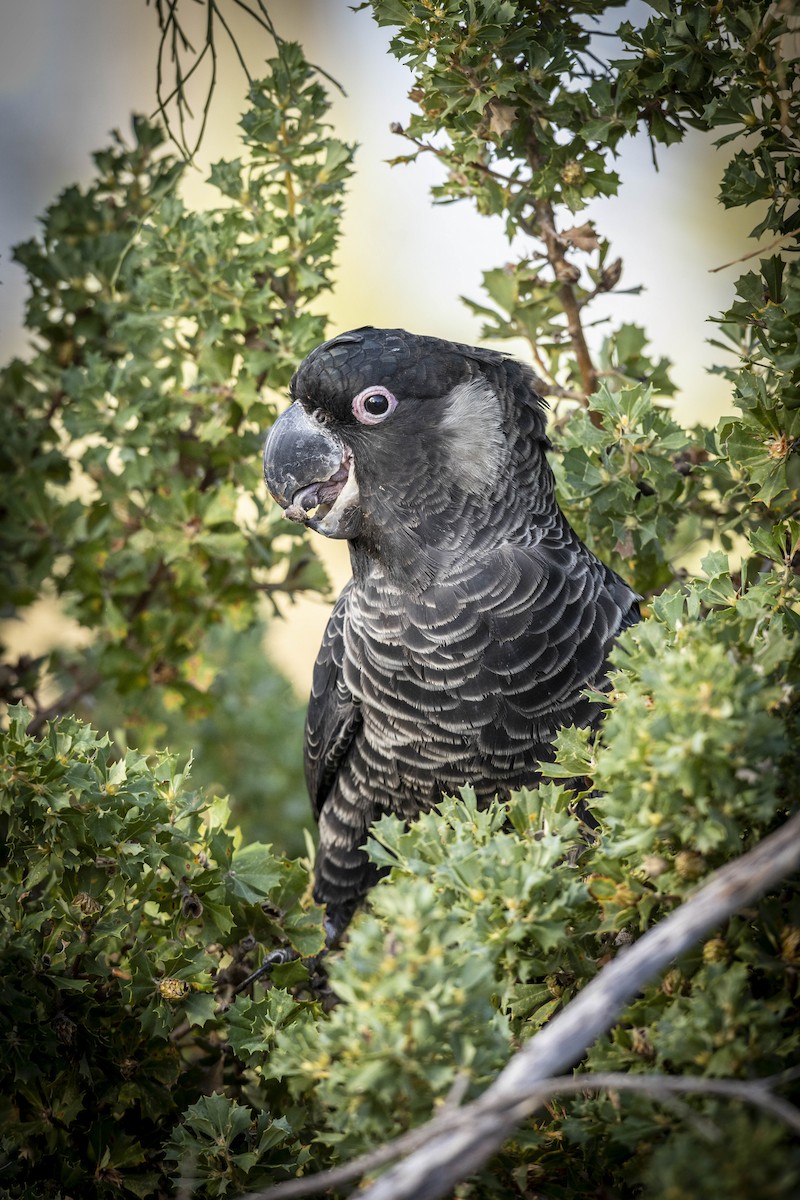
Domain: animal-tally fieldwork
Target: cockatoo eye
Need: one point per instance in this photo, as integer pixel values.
(373, 405)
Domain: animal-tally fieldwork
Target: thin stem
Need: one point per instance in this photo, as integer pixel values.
(752, 253)
(566, 293)
(427, 147)
(173, 34)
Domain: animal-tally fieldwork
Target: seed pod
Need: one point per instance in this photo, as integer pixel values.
(173, 989)
(689, 864)
(192, 907)
(567, 272)
(86, 903)
(610, 276)
(715, 951)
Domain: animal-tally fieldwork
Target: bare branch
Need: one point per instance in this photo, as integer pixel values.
(751, 1091)
(457, 1143)
(756, 1092)
(753, 253)
(430, 1172)
(562, 269)
(174, 46)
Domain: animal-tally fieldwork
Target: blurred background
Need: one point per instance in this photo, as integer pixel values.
(73, 70)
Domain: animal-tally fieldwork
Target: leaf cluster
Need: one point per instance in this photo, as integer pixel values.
(131, 440)
(490, 921)
(696, 759)
(129, 914)
(137, 1056)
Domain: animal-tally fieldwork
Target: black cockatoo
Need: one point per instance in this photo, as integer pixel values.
(475, 619)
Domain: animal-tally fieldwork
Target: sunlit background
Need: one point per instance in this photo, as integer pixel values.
(73, 70)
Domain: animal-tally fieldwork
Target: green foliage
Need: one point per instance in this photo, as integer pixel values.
(757, 1161)
(131, 440)
(762, 444)
(491, 920)
(131, 445)
(127, 916)
(221, 1142)
(246, 737)
(620, 480)
(131, 915)
(452, 46)
(511, 98)
(696, 718)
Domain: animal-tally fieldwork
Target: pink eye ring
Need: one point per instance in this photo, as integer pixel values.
(373, 405)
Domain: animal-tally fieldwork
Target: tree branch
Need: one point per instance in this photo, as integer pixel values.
(756, 1092)
(563, 271)
(457, 1143)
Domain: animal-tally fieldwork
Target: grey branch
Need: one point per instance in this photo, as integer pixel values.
(457, 1142)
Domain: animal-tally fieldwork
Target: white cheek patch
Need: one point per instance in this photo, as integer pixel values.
(349, 497)
(472, 424)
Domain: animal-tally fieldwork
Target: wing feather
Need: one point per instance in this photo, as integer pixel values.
(334, 717)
